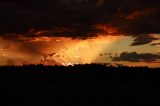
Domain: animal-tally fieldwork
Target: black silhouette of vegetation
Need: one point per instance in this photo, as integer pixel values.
(88, 72)
(91, 84)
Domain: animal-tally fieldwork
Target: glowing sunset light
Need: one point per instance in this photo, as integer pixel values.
(67, 51)
(67, 32)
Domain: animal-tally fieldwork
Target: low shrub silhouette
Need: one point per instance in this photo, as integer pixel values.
(90, 72)
(92, 83)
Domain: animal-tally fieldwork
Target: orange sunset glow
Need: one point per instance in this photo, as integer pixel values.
(68, 32)
(66, 51)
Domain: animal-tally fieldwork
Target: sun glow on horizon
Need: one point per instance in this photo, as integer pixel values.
(84, 51)
(66, 50)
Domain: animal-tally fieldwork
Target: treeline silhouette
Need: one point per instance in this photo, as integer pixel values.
(91, 84)
(86, 72)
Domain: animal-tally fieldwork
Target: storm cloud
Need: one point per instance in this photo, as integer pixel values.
(137, 57)
(143, 39)
(155, 44)
(79, 18)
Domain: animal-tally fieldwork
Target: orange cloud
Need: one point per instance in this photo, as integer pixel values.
(107, 29)
(57, 50)
(140, 13)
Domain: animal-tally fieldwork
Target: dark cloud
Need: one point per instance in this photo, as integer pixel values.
(20, 16)
(78, 18)
(155, 44)
(137, 57)
(143, 39)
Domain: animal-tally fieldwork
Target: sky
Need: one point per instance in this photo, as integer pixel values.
(68, 32)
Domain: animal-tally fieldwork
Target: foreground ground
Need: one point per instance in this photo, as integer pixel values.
(79, 85)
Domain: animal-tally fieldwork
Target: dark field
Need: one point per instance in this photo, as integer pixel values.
(79, 85)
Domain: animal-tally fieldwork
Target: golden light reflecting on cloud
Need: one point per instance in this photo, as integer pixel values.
(84, 51)
(157, 42)
(67, 50)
